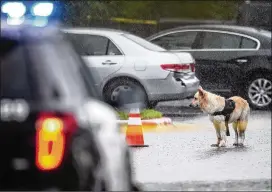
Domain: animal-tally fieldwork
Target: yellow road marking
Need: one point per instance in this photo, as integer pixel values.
(177, 127)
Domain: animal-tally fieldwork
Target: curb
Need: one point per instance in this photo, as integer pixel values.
(175, 127)
(182, 114)
(158, 121)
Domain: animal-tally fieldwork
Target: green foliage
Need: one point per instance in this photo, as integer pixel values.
(150, 114)
(123, 115)
(81, 12)
(145, 114)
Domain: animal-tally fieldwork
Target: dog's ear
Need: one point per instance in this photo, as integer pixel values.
(201, 92)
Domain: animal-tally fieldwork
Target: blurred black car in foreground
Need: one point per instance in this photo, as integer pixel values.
(54, 131)
(230, 59)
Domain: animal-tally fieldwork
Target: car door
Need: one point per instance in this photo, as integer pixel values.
(100, 54)
(220, 55)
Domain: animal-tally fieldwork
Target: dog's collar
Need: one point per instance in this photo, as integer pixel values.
(228, 108)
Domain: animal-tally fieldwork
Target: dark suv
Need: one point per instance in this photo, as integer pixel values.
(50, 120)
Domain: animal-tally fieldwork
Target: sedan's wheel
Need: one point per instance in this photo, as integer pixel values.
(116, 92)
(113, 91)
(260, 92)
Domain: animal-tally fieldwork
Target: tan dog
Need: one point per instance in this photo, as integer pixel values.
(236, 109)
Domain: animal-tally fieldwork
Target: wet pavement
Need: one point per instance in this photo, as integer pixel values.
(185, 161)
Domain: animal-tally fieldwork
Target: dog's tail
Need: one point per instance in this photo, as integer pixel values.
(245, 113)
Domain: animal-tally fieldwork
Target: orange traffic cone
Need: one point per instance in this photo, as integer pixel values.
(134, 132)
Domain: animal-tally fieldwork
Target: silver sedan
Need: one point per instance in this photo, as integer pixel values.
(121, 61)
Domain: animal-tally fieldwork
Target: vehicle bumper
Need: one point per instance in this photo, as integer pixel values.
(174, 87)
(32, 179)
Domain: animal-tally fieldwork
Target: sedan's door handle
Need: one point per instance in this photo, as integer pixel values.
(241, 60)
(108, 62)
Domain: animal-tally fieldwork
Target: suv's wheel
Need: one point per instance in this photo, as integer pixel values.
(113, 90)
(259, 91)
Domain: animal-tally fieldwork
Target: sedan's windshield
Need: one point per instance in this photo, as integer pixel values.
(144, 43)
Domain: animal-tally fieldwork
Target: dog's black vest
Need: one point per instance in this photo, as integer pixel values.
(228, 109)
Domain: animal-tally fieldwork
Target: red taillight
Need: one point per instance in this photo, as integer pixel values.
(192, 67)
(177, 67)
(52, 133)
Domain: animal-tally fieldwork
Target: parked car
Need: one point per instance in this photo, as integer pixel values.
(230, 59)
(55, 133)
(120, 60)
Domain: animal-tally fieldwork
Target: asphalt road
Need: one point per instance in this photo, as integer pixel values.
(185, 160)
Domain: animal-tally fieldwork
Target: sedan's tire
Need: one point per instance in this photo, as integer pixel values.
(152, 104)
(258, 91)
(112, 92)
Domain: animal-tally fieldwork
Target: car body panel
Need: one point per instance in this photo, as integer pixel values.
(221, 70)
(51, 78)
(103, 67)
(141, 64)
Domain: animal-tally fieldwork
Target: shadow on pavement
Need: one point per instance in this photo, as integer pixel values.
(179, 111)
(217, 151)
(231, 185)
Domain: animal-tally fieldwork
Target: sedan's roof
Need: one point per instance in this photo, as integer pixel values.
(231, 28)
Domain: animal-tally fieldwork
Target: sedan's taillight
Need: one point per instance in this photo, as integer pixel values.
(177, 67)
(52, 133)
(192, 67)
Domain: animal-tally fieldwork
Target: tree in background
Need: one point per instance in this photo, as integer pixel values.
(82, 12)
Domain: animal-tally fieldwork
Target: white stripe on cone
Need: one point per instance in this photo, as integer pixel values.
(134, 121)
(136, 110)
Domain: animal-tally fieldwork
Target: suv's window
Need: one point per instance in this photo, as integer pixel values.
(87, 45)
(179, 40)
(248, 43)
(14, 76)
(213, 40)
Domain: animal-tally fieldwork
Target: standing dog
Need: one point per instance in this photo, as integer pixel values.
(223, 111)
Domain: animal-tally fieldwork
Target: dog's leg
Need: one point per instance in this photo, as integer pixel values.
(227, 124)
(218, 134)
(241, 130)
(223, 142)
(234, 125)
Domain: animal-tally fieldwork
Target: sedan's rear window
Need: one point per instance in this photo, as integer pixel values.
(144, 43)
